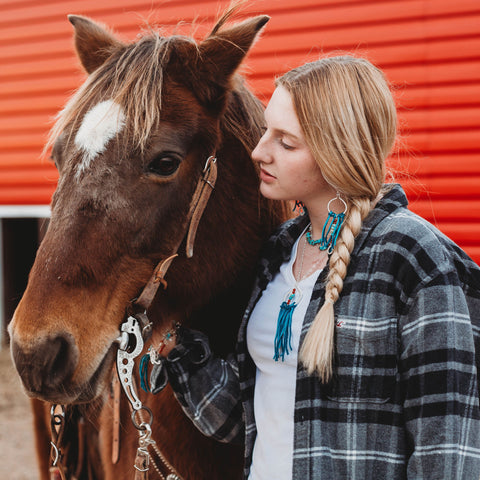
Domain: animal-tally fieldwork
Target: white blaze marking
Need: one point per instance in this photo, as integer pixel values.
(99, 126)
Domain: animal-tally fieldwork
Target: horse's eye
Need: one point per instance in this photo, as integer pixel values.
(164, 165)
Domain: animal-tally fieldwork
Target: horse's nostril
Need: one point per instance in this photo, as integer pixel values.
(49, 365)
(60, 361)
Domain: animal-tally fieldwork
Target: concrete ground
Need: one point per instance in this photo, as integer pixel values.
(17, 457)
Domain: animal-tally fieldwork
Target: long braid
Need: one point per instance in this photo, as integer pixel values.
(348, 116)
(317, 350)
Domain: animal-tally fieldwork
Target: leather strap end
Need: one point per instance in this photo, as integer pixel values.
(202, 196)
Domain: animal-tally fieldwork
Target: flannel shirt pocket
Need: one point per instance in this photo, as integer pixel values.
(365, 369)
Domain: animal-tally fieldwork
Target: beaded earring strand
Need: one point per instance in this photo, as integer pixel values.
(300, 206)
(331, 227)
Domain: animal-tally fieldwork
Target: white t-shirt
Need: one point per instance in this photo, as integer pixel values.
(274, 396)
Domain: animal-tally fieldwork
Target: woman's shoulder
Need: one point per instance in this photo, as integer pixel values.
(391, 224)
(405, 237)
(406, 229)
(403, 223)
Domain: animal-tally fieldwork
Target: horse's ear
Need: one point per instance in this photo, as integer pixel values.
(93, 42)
(222, 52)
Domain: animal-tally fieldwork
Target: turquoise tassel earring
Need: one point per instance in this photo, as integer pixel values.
(153, 356)
(144, 383)
(331, 228)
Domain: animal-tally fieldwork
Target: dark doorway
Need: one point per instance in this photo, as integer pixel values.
(21, 237)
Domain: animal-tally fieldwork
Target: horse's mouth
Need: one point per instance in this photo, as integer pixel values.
(98, 381)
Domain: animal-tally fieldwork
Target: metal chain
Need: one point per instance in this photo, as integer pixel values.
(173, 475)
(314, 265)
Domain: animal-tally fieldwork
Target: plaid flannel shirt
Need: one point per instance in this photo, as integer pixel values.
(404, 400)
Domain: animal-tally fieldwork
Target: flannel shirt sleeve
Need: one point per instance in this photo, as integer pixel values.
(438, 371)
(206, 387)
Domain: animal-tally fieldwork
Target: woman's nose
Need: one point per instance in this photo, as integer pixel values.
(259, 154)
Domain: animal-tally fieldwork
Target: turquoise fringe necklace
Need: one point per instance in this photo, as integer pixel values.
(283, 335)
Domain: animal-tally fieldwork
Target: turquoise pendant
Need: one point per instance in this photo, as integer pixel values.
(283, 335)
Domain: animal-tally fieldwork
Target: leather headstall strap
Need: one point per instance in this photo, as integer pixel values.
(116, 394)
(200, 198)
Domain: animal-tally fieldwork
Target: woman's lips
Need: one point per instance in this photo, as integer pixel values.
(265, 176)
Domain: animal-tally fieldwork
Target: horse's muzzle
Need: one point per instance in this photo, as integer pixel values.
(47, 369)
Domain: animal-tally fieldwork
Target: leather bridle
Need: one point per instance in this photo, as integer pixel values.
(138, 328)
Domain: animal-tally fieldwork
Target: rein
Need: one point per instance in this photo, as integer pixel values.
(135, 331)
(57, 425)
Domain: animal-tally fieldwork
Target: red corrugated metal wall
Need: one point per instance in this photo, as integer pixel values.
(430, 50)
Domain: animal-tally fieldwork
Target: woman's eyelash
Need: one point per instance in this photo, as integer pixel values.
(285, 145)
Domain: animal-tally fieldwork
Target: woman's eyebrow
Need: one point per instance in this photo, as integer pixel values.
(286, 132)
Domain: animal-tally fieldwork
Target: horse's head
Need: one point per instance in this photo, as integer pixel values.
(130, 147)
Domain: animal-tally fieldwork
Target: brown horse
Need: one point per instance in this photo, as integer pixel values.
(130, 147)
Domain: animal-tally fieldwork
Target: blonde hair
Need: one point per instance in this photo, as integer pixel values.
(348, 116)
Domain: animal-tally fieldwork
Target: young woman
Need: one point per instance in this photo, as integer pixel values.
(356, 355)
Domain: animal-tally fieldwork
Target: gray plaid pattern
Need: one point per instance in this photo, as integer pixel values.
(403, 402)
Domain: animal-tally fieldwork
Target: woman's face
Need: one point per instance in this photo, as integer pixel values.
(288, 170)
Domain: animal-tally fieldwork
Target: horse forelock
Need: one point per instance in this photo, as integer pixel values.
(131, 82)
